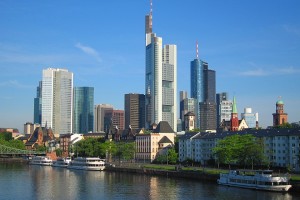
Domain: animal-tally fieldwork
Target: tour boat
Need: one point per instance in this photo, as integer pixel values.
(255, 179)
(41, 160)
(89, 163)
(62, 162)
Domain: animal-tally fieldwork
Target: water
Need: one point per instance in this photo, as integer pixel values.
(22, 181)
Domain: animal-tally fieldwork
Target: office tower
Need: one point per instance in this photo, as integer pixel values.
(279, 117)
(114, 119)
(37, 115)
(160, 79)
(224, 108)
(99, 114)
(203, 89)
(83, 117)
(249, 117)
(57, 100)
(186, 105)
(134, 111)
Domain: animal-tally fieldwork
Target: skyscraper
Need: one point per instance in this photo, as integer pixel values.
(160, 79)
(249, 117)
(203, 89)
(135, 111)
(83, 117)
(37, 116)
(224, 108)
(57, 100)
(99, 114)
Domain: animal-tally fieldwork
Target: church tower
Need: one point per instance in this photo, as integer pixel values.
(279, 117)
(234, 122)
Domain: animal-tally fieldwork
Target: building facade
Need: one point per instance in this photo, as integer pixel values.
(57, 100)
(135, 111)
(281, 146)
(250, 118)
(99, 114)
(160, 79)
(280, 117)
(224, 108)
(37, 115)
(208, 113)
(83, 116)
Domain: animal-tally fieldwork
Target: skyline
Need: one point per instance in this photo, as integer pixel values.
(249, 45)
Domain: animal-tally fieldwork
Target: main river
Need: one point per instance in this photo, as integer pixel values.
(22, 181)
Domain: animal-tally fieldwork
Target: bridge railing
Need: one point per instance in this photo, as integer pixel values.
(5, 150)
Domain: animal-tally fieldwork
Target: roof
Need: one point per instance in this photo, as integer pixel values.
(279, 102)
(189, 114)
(163, 127)
(165, 139)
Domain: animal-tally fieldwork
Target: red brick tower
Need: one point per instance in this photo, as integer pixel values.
(279, 117)
(234, 117)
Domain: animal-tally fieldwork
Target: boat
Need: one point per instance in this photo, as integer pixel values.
(41, 160)
(89, 163)
(62, 162)
(255, 179)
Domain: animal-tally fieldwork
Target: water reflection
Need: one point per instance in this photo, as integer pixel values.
(36, 182)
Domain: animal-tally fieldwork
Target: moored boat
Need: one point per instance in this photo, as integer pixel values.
(89, 163)
(62, 162)
(41, 160)
(255, 179)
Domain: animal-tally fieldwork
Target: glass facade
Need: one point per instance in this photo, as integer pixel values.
(83, 117)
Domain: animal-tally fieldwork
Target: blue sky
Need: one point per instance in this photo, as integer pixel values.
(254, 46)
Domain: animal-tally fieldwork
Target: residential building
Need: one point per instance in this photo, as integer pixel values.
(57, 100)
(161, 79)
(281, 146)
(135, 111)
(99, 114)
(83, 116)
(151, 145)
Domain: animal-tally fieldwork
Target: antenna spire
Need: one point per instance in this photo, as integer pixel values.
(197, 52)
(151, 8)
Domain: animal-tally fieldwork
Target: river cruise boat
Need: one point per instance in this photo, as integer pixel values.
(89, 163)
(62, 162)
(255, 179)
(41, 160)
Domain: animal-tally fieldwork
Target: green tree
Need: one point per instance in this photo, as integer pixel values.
(58, 152)
(7, 136)
(172, 156)
(244, 150)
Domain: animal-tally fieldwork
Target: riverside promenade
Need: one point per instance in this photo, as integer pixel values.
(175, 171)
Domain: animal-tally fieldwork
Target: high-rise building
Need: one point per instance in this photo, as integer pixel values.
(249, 117)
(37, 116)
(224, 108)
(114, 119)
(83, 117)
(160, 79)
(134, 111)
(203, 89)
(57, 100)
(99, 114)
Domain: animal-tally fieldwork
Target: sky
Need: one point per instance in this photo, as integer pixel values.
(253, 45)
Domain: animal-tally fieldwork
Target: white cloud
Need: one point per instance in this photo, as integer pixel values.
(270, 72)
(89, 51)
(256, 72)
(15, 84)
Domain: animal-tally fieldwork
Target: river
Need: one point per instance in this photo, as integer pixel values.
(22, 181)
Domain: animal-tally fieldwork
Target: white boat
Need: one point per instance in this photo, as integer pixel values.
(61, 162)
(89, 163)
(255, 179)
(41, 160)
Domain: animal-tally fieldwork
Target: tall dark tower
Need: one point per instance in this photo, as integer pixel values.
(279, 117)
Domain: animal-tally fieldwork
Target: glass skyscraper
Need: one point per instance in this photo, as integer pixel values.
(37, 115)
(83, 110)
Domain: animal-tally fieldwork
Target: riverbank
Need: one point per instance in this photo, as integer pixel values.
(13, 160)
(186, 174)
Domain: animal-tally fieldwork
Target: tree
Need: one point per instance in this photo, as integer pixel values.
(240, 149)
(58, 152)
(172, 156)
